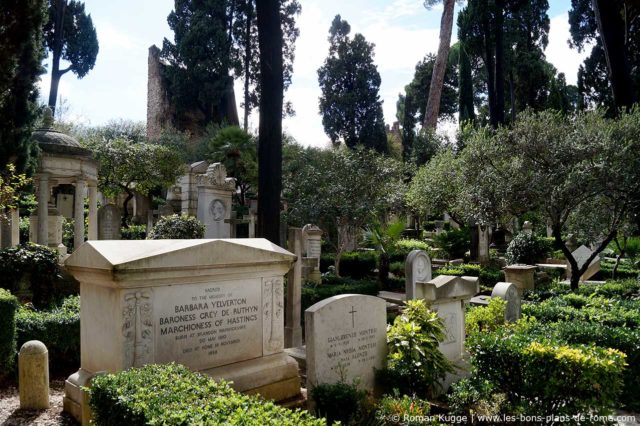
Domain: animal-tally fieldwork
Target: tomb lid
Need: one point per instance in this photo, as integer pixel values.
(450, 287)
(177, 255)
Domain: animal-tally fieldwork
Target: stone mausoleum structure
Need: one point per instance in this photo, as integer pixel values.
(66, 173)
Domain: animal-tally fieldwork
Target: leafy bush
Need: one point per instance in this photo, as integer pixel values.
(8, 307)
(173, 395)
(527, 249)
(402, 248)
(333, 286)
(397, 269)
(414, 362)
(541, 376)
(33, 263)
(392, 410)
(486, 318)
(338, 401)
(177, 227)
(476, 396)
(455, 242)
(58, 328)
(134, 232)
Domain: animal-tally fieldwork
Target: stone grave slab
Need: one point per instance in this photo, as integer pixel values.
(509, 292)
(109, 221)
(581, 255)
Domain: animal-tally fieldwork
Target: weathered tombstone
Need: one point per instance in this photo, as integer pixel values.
(527, 227)
(165, 210)
(54, 229)
(312, 248)
(483, 244)
(215, 190)
(417, 268)
(189, 187)
(581, 255)
(509, 292)
(109, 221)
(346, 339)
(447, 296)
(215, 306)
(64, 204)
(292, 328)
(33, 366)
(523, 276)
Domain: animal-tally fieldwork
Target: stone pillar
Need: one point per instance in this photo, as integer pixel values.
(93, 212)
(78, 214)
(43, 209)
(33, 363)
(292, 327)
(14, 218)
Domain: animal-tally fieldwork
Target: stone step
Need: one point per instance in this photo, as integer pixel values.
(392, 297)
(297, 402)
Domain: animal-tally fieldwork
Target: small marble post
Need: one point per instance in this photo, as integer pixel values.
(33, 363)
(292, 327)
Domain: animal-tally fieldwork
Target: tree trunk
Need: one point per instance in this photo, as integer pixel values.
(247, 63)
(512, 97)
(612, 30)
(56, 74)
(499, 32)
(575, 277)
(270, 129)
(125, 206)
(440, 66)
(465, 83)
(489, 64)
(383, 270)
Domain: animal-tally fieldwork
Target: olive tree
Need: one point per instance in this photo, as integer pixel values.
(340, 189)
(581, 173)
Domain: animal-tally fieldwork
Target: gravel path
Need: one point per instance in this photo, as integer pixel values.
(12, 415)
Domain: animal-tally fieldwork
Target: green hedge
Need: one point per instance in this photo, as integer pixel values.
(58, 329)
(354, 264)
(8, 307)
(577, 307)
(333, 286)
(173, 395)
(38, 264)
(620, 338)
(542, 377)
(489, 277)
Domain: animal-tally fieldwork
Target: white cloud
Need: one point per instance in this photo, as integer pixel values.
(114, 38)
(559, 53)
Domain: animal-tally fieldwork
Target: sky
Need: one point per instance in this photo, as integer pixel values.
(403, 32)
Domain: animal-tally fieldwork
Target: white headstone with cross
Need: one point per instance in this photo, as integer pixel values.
(346, 340)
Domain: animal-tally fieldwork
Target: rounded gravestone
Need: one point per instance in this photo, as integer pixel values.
(509, 292)
(417, 269)
(33, 366)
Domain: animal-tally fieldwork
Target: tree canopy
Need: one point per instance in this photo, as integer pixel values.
(70, 36)
(350, 104)
(21, 38)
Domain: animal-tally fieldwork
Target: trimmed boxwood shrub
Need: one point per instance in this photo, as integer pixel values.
(173, 395)
(333, 286)
(57, 328)
(134, 232)
(403, 247)
(177, 227)
(527, 249)
(8, 307)
(542, 377)
(354, 264)
(36, 263)
(489, 277)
